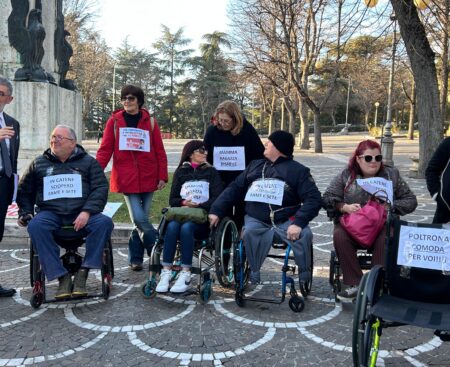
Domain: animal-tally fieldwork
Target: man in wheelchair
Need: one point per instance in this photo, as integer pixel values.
(280, 197)
(65, 186)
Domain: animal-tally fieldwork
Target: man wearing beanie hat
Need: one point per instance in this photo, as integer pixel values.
(280, 196)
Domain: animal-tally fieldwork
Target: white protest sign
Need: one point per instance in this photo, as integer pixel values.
(229, 158)
(427, 248)
(374, 184)
(269, 191)
(196, 191)
(62, 186)
(131, 138)
(111, 209)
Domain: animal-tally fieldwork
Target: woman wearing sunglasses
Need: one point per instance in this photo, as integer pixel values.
(196, 184)
(139, 166)
(344, 195)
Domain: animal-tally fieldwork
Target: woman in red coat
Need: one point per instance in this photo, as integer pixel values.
(139, 166)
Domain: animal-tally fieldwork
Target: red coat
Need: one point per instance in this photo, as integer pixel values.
(133, 171)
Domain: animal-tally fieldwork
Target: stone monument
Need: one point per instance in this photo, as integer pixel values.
(34, 54)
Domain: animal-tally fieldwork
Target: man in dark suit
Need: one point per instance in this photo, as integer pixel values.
(9, 150)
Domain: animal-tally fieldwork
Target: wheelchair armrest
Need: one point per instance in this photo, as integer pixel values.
(164, 210)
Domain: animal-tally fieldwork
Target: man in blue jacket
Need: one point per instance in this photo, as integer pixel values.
(280, 196)
(68, 187)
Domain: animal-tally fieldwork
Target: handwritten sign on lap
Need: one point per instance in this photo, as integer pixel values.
(266, 191)
(62, 186)
(229, 158)
(131, 138)
(374, 184)
(196, 191)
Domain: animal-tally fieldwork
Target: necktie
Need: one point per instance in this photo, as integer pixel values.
(5, 157)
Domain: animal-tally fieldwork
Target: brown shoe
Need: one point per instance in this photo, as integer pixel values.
(79, 283)
(136, 267)
(65, 287)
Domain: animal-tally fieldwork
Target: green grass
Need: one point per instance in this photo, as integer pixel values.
(160, 200)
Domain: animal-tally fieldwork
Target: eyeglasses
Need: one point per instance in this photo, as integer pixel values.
(59, 138)
(370, 158)
(2, 94)
(201, 151)
(128, 98)
(225, 121)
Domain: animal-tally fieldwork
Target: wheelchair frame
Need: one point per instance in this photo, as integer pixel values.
(296, 301)
(215, 253)
(380, 304)
(70, 241)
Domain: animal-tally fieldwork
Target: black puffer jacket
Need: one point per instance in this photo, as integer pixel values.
(204, 172)
(301, 196)
(94, 184)
(247, 138)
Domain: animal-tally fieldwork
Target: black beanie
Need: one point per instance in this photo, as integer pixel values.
(283, 141)
(189, 149)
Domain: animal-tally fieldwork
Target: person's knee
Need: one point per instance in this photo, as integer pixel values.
(187, 228)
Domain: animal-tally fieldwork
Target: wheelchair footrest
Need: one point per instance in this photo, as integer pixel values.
(426, 315)
(264, 300)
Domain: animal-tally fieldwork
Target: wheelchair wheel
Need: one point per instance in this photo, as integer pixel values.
(226, 235)
(335, 274)
(205, 289)
(149, 288)
(239, 299)
(106, 288)
(36, 300)
(359, 323)
(305, 287)
(296, 303)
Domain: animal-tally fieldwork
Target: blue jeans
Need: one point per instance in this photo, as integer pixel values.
(143, 234)
(41, 228)
(186, 233)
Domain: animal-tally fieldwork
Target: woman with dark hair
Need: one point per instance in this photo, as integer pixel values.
(193, 171)
(346, 196)
(139, 166)
(232, 143)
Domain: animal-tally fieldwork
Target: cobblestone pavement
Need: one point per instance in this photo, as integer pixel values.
(128, 330)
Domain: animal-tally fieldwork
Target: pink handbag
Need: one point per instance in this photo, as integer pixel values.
(365, 224)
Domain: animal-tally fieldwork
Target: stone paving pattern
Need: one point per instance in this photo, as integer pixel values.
(128, 330)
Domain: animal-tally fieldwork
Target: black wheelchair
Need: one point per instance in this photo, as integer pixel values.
(70, 240)
(241, 273)
(403, 293)
(214, 255)
(335, 272)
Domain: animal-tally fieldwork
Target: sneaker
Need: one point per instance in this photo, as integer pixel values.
(79, 283)
(136, 267)
(349, 293)
(182, 283)
(65, 286)
(255, 277)
(164, 280)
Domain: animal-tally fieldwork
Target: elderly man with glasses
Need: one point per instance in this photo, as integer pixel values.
(9, 150)
(68, 187)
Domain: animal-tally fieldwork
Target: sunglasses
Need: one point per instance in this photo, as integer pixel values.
(201, 151)
(370, 158)
(128, 98)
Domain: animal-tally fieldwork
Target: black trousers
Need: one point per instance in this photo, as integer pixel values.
(6, 191)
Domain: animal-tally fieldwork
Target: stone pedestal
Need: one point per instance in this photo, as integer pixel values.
(39, 107)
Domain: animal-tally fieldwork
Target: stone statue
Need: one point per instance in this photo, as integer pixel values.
(63, 49)
(27, 40)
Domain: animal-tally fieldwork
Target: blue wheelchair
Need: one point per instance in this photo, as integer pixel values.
(241, 274)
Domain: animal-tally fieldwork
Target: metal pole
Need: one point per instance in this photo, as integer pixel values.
(387, 148)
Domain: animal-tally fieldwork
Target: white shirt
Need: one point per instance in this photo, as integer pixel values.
(2, 125)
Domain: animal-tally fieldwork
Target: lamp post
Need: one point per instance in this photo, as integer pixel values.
(387, 142)
(377, 104)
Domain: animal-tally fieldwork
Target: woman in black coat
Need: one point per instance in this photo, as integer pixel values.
(232, 143)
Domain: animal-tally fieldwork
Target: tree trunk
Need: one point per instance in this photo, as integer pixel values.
(282, 115)
(422, 58)
(272, 111)
(412, 112)
(303, 141)
(317, 134)
(444, 72)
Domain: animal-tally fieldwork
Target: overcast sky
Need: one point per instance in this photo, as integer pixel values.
(141, 20)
